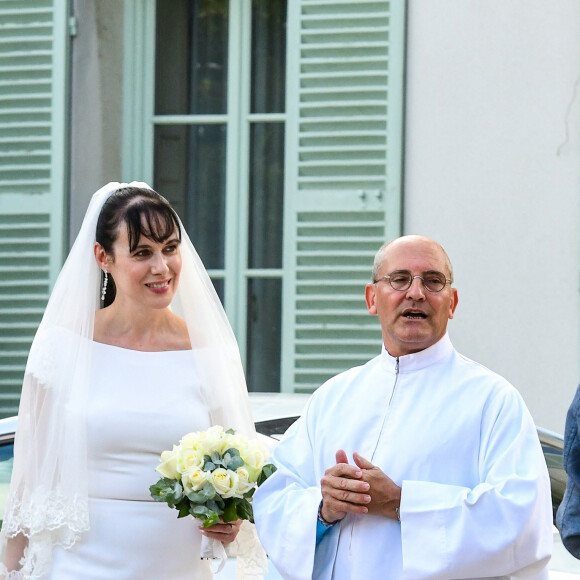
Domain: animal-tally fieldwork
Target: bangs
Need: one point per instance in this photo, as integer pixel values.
(157, 222)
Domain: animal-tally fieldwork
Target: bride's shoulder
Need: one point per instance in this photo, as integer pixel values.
(51, 351)
(180, 332)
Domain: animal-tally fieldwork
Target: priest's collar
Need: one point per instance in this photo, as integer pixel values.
(418, 360)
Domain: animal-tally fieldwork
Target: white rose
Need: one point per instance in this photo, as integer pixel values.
(240, 442)
(225, 482)
(226, 441)
(255, 457)
(190, 440)
(207, 441)
(169, 464)
(194, 479)
(189, 457)
(244, 483)
(195, 441)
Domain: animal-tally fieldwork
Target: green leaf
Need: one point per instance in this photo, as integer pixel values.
(231, 432)
(267, 471)
(216, 507)
(200, 510)
(245, 510)
(211, 462)
(167, 490)
(183, 508)
(232, 461)
(213, 519)
(230, 513)
(206, 493)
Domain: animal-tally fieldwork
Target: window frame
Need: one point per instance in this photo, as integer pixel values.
(138, 150)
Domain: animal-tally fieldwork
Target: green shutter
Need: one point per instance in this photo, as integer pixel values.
(343, 179)
(33, 68)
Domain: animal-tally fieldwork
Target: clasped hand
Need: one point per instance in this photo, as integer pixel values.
(357, 489)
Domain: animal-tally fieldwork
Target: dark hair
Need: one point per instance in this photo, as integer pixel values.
(144, 212)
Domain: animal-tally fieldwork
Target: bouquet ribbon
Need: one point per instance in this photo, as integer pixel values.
(214, 550)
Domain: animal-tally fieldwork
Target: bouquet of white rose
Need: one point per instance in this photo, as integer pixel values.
(212, 474)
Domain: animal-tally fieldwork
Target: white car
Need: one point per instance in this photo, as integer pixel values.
(273, 415)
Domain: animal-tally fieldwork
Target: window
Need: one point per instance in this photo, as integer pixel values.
(219, 155)
(275, 129)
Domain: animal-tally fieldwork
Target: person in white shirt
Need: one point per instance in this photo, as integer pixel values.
(420, 463)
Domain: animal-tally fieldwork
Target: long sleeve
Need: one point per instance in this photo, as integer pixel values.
(568, 517)
(286, 504)
(500, 526)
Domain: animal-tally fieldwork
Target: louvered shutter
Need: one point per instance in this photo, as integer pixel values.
(343, 175)
(33, 64)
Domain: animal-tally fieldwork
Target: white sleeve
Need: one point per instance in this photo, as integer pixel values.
(286, 507)
(500, 527)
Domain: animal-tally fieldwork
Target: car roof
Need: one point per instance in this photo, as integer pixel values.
(269, 406)
(8, 425)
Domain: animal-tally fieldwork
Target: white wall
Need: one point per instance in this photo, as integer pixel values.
(493, 173)
(96, 102)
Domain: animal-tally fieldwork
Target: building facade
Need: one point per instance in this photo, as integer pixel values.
(293, 138)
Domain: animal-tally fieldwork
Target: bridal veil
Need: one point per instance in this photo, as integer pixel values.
(48, 499)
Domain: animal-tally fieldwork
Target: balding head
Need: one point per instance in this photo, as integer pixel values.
(383, 250)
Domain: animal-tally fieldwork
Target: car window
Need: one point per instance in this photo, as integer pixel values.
(553, 449)
(275, 428)
(555, 462)
(6, 460)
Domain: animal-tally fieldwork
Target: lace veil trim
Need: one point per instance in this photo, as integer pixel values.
(47, 519)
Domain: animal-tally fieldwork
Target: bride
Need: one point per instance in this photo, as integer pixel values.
(134, 350)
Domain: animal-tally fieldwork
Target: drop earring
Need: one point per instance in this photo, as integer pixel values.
(105, 282)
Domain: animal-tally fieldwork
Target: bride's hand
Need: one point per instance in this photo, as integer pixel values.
(224, 532)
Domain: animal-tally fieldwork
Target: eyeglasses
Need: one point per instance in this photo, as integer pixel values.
(401, 280)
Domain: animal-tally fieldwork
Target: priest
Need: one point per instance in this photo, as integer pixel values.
(420, 464)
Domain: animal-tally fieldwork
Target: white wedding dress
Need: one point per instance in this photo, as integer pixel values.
(140, 403)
